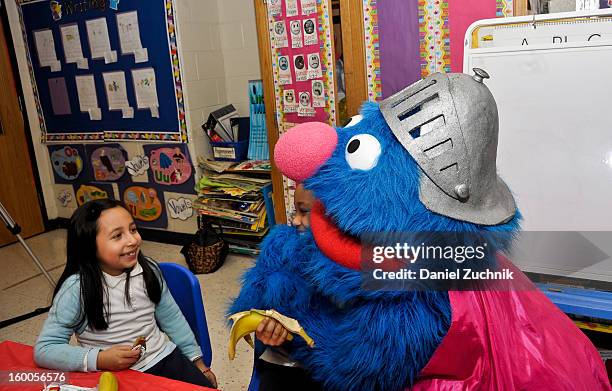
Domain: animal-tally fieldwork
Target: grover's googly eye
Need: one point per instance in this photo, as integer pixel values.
(362, 152)
(354, 120)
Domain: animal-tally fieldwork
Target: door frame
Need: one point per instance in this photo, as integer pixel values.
(355, 79)
(26, 125)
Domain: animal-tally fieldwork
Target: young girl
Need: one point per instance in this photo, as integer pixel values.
(109, 295)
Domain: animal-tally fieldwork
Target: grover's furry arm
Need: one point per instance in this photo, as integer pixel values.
(274, 281)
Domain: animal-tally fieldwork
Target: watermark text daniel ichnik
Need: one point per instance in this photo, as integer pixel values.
(458, 254)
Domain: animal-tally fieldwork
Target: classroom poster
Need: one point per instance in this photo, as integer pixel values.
(92, 74)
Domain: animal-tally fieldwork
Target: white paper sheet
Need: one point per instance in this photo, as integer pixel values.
(95, 114)
(145, 88)
(129, 32)
(291, 8)
(301, 72)
(86, 91)
(295, 27)
(56, 66)
(274, 7)
(83, 63)
(127, 112)
(116, 90)
(309, 7)
(290, 104)
(314, 66)
(284, 70)
(97, 34)
(45, 49)
(305, 109)
(110, 57)
(154, 111)
(318, 93)
(141, 55)
(71, 40)
(280, 34)
(310, 32)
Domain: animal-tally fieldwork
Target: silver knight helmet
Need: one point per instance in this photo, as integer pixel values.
(449, 125)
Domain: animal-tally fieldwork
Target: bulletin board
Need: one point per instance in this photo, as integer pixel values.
(302, 61)
(104, 70)
(303, 67)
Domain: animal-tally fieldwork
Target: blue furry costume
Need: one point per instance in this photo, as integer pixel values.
(364, 340)
(355, 331)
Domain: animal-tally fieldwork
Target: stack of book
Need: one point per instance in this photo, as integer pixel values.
(236, 203)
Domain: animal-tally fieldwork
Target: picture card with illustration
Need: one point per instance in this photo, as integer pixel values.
(295, 28)
(93, 191)
(145, 203)
(290, 104)
(69, 163)
(284, 70)
(170, 166)
(280, 34)
(310, 32)
(301, 72)
(107, 162)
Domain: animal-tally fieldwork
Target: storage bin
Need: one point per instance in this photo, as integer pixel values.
(230, 151)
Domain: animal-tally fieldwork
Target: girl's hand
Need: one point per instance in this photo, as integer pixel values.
(206, 371)
(271, 333)
(117, 357)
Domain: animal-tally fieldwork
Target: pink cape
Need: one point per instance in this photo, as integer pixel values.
(512, 339)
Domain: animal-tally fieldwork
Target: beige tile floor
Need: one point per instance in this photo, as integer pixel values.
(23, 288)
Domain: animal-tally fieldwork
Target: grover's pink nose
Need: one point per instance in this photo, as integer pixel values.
(303, 149)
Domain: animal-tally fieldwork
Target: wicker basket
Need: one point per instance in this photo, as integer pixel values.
(206, 252)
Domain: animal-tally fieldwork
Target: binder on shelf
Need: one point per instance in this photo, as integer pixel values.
(219, 123)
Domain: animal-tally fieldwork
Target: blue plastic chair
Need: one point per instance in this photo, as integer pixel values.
(185, 289)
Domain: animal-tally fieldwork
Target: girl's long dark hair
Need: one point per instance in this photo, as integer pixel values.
(82, 260)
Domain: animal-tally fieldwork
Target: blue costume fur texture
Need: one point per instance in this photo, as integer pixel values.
(364, 339)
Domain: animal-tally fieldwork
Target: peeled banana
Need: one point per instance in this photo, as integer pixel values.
(108, 382)
(246, 322)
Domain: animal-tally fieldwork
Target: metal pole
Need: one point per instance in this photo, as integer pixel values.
(15, 229)
(36, 261)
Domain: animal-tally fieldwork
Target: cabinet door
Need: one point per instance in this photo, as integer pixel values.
(313, 69)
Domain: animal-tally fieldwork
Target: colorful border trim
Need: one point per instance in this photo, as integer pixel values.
(41, 118)
(372, 49)
(504, 8)
(434, 37)
(328, 54)
(114, 135)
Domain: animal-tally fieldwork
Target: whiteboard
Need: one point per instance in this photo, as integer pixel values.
(555, 140)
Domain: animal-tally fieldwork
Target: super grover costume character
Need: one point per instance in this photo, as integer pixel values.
(422, 160)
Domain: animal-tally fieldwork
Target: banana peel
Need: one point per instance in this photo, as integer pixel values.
(246, 322)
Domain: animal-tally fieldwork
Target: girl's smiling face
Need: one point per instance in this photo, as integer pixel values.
(117, 241)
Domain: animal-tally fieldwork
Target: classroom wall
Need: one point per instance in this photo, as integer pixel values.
(239, 48)
(218, 53)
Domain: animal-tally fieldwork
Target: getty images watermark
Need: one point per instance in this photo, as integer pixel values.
(435, 261)
(458, 254)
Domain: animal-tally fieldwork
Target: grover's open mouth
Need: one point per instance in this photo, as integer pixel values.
(333, 242)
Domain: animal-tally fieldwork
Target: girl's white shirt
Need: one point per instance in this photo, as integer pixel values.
(126, 322)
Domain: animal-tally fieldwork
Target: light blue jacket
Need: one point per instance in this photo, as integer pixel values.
(52, 349)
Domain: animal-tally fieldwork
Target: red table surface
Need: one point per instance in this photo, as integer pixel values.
(18, 357)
